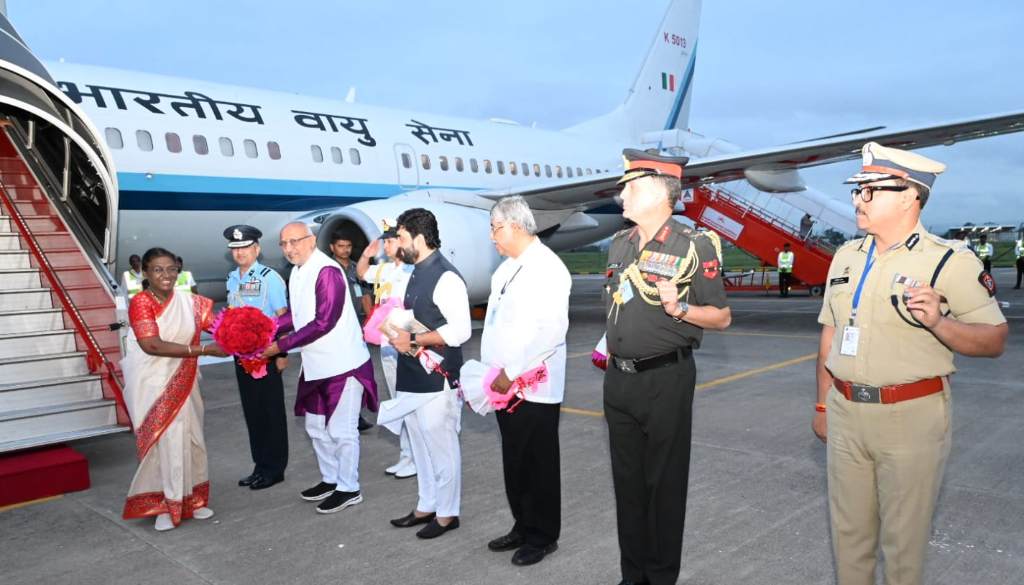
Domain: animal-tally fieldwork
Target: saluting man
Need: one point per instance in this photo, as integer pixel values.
(664, 288)
(898, 304)
(255, 285)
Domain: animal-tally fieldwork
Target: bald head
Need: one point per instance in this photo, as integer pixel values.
(297, 242)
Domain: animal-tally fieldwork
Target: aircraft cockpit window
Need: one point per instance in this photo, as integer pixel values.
(274, 150)
(173, 142)
(250, 148)
(568, 171)
(526, 169)
(336, 155)
(318, 155)
(512, 168)
(536, 170)
(144, 140)
(458, 164)
(354, 156)
(114, 139)
(199, 143)
(442, 162)
(425, 161)
(227, 148)
(547, 170)
(474, 166)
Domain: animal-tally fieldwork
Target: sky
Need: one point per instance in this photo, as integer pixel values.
(767, 72)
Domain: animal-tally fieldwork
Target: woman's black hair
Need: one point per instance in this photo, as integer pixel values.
(154, 253)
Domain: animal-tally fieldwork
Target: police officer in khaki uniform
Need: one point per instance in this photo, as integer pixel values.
(664, 288)
(898, 304)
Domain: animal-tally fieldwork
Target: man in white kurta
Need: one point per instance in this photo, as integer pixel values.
(524, 336)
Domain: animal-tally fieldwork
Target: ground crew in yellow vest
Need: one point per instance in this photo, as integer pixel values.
(131, 280)
(985, 252)
(785, 261)
(185, 282)
(898, 305)
(664, 287)
(1018, 252)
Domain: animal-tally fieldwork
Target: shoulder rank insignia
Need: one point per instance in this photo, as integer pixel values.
(710, 268)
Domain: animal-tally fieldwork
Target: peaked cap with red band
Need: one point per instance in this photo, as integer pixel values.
(881, 163)
(637, 164)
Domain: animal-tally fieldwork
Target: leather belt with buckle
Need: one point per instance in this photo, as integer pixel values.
(888, 394)
(637, 365)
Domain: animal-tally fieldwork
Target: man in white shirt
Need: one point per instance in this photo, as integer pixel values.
(389, 279)
(527, 319)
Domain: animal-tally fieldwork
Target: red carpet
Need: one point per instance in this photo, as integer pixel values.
(40, 473)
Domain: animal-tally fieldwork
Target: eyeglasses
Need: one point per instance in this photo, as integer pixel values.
(495, 227)
(866, 194)
(169, 271)
(293, 241)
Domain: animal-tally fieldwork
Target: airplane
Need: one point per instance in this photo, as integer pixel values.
(190, 157)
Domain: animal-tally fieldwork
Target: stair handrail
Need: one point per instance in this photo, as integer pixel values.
(771, 218)
(95, 358)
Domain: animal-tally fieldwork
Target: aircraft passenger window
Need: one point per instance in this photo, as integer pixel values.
(114, 138)
(536, 170)
(144, 140)
(250, 148)
(501, 167)
(443, 162)
(526, 169)
(406, 160)
(336, 155)
(274, 150)
(458, 164)
(558, 171)
(487, 166)
(227, 148)
(547, 170)
(568, 171)
(318, 154)
(474, 166)
(353, 155)
(512, 168)
(173, 142)
(579, 172)
(425, 161)
(590, 171)
(199, 144)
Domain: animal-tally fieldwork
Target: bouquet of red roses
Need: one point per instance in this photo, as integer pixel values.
(245, 332)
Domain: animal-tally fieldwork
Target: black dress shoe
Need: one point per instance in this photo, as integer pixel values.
(263, 482)
(508, 542)
(628, 582)
(531, 555)
(412, 520)
(434, 529)
(249, 479)
(364, 425)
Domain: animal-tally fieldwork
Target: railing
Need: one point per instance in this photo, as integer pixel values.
(96, 360)
(746, 206)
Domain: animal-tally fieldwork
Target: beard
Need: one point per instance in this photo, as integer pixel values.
(408, 255)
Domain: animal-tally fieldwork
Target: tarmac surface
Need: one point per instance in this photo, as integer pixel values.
(757, 508)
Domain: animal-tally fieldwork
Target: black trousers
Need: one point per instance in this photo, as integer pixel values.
(987, 263)
(263, 407)
(649, 415)
(1020, 270)
(533, 474)
(785, 281)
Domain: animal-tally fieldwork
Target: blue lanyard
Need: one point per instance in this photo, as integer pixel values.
(868, 264)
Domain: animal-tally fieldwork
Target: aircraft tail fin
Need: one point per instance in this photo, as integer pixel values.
(660, 96)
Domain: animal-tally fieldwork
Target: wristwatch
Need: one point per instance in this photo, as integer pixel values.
(684, 308)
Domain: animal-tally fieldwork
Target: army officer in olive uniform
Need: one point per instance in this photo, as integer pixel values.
(898, 304)
(664, 288)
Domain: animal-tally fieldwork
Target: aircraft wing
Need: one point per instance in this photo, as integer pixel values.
(594, 191)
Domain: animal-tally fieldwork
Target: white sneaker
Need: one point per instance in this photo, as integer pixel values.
(406, 471)
(163, 523)
(202, 513)
(394, 468)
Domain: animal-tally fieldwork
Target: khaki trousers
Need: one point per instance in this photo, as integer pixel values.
(885, 465)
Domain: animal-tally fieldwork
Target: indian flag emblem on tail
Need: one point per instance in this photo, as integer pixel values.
(668, 81)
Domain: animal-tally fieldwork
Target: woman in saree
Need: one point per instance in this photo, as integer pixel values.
(162, 395)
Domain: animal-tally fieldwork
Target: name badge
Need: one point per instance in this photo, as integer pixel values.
(851, 337)
(626, 291)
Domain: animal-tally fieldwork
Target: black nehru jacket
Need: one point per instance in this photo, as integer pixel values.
(419, 296)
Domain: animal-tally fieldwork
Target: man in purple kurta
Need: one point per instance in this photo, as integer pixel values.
(337, 375)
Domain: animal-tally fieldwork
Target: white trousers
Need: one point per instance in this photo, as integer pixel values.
(434, 437)
(389, 363)
(336, 442)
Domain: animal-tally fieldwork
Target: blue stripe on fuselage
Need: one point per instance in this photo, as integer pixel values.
(673, 116)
